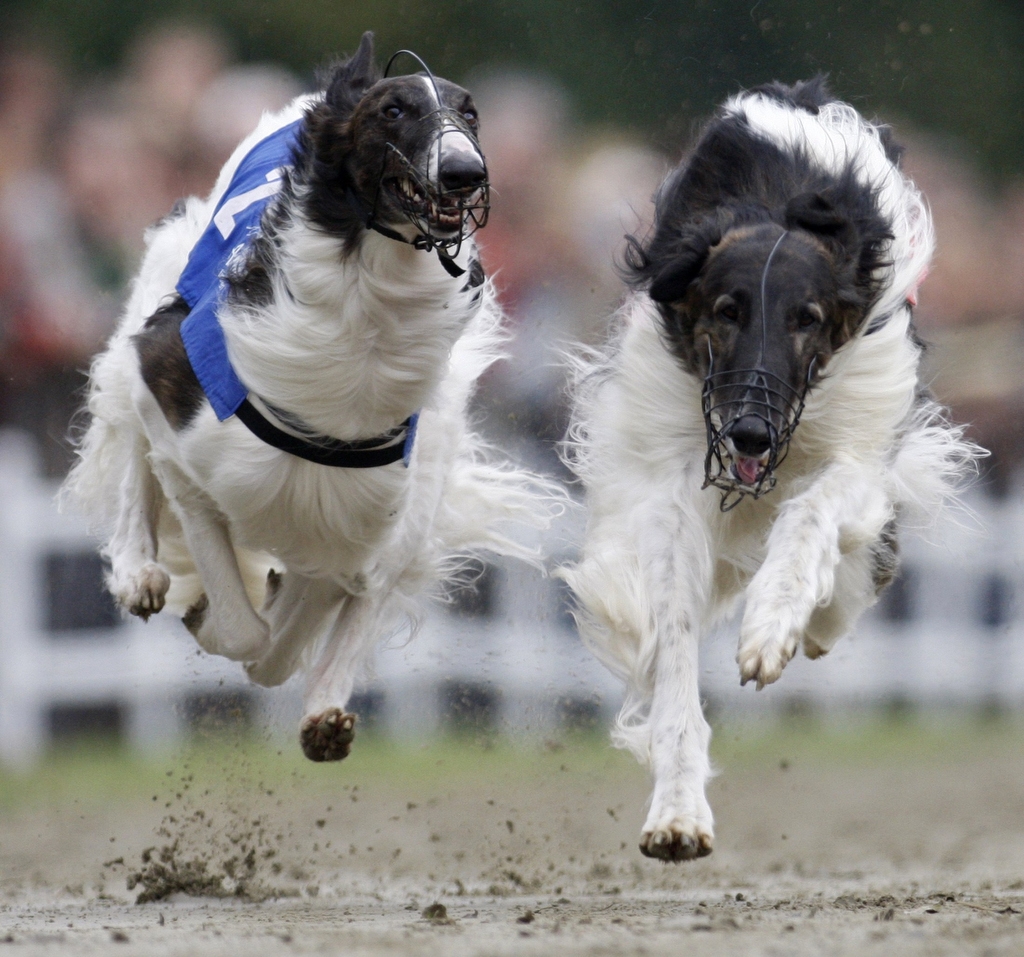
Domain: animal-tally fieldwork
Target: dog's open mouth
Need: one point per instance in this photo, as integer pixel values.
(750, 471)
(442, 212)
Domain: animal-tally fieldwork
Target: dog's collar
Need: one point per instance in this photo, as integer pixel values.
(369, 221)
(235, 221)
(393, 446)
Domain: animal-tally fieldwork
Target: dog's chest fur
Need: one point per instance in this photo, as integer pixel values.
(351, 346)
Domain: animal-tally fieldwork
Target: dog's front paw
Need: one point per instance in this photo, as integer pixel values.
(769, 637)
(144, 592)
(763, 653)
(327, 736)
(677, 840)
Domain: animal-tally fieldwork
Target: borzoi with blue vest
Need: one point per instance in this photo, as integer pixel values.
(278, 448)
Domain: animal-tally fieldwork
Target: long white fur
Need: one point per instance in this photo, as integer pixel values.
(352, 346)
(661, 563)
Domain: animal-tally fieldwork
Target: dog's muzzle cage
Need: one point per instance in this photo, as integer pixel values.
(747, 393)
(428, 200)
(471, 205)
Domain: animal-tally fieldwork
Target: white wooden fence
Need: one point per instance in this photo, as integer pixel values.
(950, 632)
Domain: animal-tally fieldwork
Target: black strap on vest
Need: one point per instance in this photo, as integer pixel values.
(358, 454)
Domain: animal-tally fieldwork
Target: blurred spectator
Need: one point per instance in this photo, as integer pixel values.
(52, 316)
(557, 223)
(611, 196)
(80, 186)
(169, 70)
(231, 106)
(118, 182)
(972, 305)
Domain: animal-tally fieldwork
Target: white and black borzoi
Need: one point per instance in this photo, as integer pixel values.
(756, 428)
(250, 415)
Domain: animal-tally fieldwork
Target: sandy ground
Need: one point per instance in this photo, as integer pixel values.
(885, 841)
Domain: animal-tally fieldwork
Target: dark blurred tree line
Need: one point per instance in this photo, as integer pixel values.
(652, 66)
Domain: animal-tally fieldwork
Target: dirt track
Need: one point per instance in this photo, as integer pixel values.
(881, 843)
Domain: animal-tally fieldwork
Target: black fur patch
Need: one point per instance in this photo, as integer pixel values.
(252, 284)
(885, 557)
(476, 275)
(165, 366)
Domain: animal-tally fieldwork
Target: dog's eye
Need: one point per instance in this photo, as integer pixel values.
(393, 112)
(810, 315)
(726, 308)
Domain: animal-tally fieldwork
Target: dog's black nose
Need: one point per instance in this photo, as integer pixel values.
(462, 171)
(751, 436)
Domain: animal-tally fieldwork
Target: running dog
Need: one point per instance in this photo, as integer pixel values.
(756, 427)
(278, 447)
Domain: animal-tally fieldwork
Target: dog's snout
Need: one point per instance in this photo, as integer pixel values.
(462, 171)
(751, 436)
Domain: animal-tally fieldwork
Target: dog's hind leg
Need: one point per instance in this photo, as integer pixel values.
(297, 609)
(854, 593)
(327, 729)
(222, 621)
(843, 511)
(861, 577)
(137, 582)
(679, 826)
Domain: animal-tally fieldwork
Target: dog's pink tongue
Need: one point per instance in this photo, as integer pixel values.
(748, 470)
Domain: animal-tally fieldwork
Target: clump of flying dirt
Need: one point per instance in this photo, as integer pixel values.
(226, 853)
(169, 874)
(228, 866)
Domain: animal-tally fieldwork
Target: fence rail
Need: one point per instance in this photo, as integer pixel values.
(950, 631)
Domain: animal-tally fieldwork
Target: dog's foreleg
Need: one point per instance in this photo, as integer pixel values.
(845, 509)
(297, 609)
(222, 621)
(137, 582)
(679, 826)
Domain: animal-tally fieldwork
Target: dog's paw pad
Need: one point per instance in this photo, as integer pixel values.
(195, 617)
(327, 736)
(676, 842)
(274, 580)
(813, 650)
(146, 593)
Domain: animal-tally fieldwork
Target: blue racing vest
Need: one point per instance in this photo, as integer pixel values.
(235, 222)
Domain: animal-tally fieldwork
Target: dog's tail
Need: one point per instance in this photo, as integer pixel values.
(103, 434)
(933, 463)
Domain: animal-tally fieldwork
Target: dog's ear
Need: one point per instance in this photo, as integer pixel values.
(816, 213)
(353, 77)
(686, 257)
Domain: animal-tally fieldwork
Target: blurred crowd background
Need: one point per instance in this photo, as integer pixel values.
(110, 111)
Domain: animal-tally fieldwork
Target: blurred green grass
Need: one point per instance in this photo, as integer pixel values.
(94, 772)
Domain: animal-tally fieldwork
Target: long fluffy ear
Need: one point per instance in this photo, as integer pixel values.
(350, 79)
(858, 242)
(817, 214)
(686, 259)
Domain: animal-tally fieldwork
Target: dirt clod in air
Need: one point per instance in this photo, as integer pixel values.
(436, 913)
